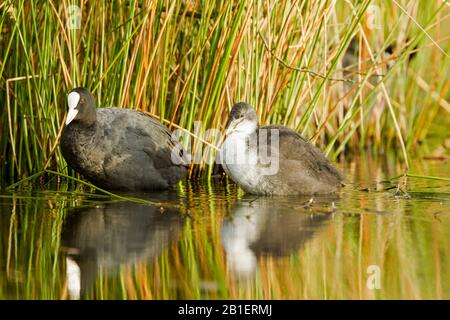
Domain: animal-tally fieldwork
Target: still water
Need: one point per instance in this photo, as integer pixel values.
(212, 241)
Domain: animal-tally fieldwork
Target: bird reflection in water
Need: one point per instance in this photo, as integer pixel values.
(113, 235)
(274, 227)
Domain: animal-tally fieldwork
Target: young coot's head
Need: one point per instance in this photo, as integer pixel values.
(82, 107)
(242, 119)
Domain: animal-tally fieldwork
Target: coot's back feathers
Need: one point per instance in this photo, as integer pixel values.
(302, 166)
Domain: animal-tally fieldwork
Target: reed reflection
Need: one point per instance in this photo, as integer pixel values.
(114, 235)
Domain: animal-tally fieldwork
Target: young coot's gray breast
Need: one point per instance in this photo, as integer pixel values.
(119, 149)
(274, 160)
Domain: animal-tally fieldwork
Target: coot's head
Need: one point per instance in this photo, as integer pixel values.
(242, 119)
(81, 105)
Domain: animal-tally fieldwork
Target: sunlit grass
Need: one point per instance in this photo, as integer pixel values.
(187, 61)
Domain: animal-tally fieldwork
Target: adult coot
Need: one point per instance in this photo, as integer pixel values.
(119, 148)
(273, 160)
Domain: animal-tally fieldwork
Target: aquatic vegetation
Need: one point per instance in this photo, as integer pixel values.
(353, 76)
(347, 74)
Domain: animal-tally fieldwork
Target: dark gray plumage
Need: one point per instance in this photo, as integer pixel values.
(119, 148)
(300, 167)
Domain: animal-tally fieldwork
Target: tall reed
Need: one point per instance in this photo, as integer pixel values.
(187, 61)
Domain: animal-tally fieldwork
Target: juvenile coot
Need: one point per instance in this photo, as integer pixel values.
(118, 148)
(273, 160)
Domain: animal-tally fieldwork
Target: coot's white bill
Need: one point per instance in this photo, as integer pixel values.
(72, 101)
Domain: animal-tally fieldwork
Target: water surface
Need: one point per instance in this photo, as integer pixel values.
(213, 241)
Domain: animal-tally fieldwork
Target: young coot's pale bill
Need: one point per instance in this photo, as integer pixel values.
(274, 160)
(118, 148)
